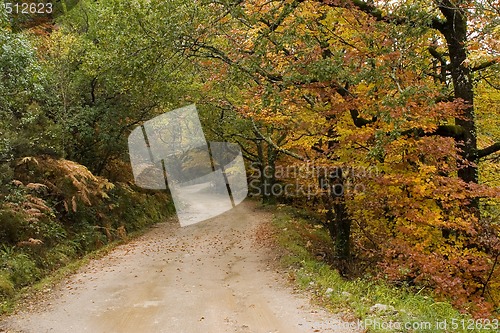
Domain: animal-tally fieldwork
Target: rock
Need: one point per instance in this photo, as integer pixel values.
(329, 291)
(346, 294)
(381, 308)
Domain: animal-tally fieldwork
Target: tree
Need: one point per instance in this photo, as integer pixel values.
(25, 129)
(385, 85)
(454, 24)
(113, 65)
(261, 143)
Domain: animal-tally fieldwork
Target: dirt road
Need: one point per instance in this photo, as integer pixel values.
(210, 277)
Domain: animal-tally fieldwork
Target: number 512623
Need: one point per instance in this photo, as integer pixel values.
(28, 8)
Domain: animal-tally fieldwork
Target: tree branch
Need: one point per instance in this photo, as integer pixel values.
(448, 131)
(287, 10)
(275, 146)
(247, 154)
(213, 52)
(485, 65)
(439, 56)
(360, 122)
(378, 15)
(488, 150)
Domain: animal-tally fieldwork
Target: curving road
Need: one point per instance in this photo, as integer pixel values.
(210, 277)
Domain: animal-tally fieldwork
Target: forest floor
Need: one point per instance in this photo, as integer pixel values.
(220, 275)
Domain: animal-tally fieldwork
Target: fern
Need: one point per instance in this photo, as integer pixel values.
(73, 183)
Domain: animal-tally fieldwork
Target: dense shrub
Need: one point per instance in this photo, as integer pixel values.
(6, 286)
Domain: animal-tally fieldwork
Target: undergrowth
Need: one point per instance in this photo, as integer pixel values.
(365, 303)
(56, 212)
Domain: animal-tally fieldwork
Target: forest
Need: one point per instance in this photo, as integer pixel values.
(378, 119)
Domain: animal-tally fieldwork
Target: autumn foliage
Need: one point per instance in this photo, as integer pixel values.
(341, 85)
(386, 111)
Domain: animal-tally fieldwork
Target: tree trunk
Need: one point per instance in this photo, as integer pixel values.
(455, 33)
(267, 168)
(270, 176)
(456, 37)
(338, 220)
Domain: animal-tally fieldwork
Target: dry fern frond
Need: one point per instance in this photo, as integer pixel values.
(26, 160)
(85, 198)
(122, 233)
(106, 186)
(11, 205)
(32, 208)
(71, 182)
(30, 242)
(17, 182)
(36, 186)
(36, 202)
(34, 212)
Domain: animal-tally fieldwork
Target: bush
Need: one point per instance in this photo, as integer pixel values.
(11, 226)
(59, 255)
(22, 269)
(6, 286)
(356, 298)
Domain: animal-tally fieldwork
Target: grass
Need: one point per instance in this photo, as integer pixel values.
(367, 303)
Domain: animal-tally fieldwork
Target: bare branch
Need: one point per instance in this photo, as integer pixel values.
(448, 131)
(486, 64)
(370, 9)
(275, 146)
(488, 150)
